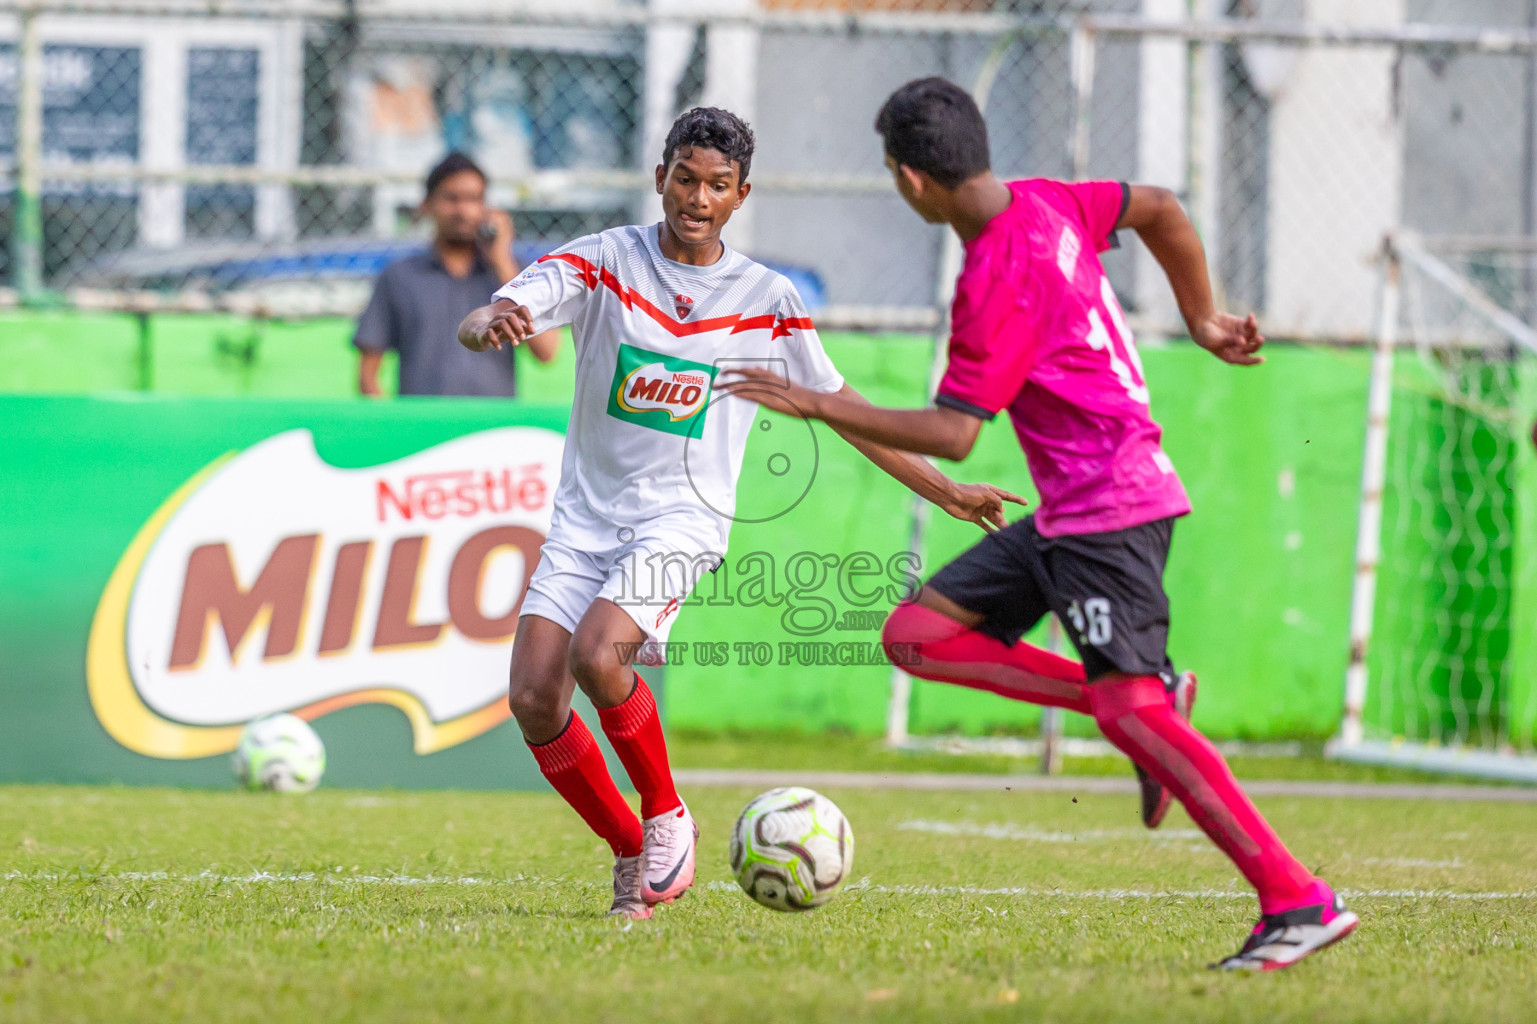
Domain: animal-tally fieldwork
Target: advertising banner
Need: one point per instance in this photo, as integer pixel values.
(175, 568)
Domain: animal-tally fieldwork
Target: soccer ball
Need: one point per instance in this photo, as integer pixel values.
(791, 849)
(279, 752)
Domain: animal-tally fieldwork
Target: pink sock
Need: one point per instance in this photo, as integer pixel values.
(935, 646)
(1134, 714)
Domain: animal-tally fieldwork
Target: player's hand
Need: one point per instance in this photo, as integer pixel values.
(1231, 339)
(508, 325)
(980, 503)
(771, 391)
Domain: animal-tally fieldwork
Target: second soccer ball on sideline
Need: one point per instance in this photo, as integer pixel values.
(279, 752)
(791, 849)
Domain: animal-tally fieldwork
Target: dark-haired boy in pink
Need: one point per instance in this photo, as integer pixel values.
(1036, 330)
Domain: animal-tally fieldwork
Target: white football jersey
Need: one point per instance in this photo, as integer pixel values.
(648, 436)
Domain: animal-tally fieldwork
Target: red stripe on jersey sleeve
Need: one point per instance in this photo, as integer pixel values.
(587, 272)
(787, 324)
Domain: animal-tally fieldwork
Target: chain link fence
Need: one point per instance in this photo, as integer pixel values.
(269, 153)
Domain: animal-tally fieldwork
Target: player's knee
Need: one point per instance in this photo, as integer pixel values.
(910, 627)
(898, 631)
(529, 706)
(592, 661)
(535, 702)
(1119, 695)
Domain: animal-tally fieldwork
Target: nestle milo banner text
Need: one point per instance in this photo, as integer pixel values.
(175, 568)
(272, 581)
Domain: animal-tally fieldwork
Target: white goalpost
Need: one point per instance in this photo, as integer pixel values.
(1443, 619)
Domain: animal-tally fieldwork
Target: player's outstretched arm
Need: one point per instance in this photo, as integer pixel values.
(504, 322)
(975, 503)
(888, 438)
(938, 431)
(545, 346)
(1158, 219)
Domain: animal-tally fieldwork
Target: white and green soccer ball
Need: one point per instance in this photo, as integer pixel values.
(281, 753)
(791, 849)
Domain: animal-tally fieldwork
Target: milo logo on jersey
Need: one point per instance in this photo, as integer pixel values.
(661, 392)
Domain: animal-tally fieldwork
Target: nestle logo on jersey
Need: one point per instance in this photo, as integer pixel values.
(658, 391)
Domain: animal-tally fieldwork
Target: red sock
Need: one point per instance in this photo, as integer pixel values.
(947, 652)
(1134, 714)
(635, 730)
(575, 767)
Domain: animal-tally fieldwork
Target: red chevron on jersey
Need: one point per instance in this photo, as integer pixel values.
(592, 277)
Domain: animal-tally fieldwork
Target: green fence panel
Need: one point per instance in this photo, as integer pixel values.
(69, 352)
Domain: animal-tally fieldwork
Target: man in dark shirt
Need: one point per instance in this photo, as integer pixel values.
(418, 301)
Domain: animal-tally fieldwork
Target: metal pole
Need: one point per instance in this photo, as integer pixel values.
(899, 705)
(1206, 137)
(146, 353)
(1369, 525)
(1051, 718)
(1529, 165)
(27, 237)
(1204, 124)
(1081, 59)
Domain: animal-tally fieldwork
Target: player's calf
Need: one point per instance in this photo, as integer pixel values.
(574, 766)
(635, 730)
(668, 830)
(538, 686)
(632, 725)
(1134, 713)
(1157, 798)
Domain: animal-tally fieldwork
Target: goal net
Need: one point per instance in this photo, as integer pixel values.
(1444, 625)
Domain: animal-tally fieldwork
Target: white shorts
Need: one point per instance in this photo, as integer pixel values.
(647, 569)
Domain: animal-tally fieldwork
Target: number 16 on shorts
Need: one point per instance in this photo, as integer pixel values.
(1092, 620)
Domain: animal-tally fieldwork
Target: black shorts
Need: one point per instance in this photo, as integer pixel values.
(1105, 588)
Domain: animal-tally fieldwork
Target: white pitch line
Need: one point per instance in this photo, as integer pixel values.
(1076, 784)
(1410, 862)
(862, 886)
(262, 877)
(1031, 834)
(1160, 894)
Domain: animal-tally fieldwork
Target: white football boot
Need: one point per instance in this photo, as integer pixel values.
(669, 840)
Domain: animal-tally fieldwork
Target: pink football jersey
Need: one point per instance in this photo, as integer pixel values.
(1037, 330)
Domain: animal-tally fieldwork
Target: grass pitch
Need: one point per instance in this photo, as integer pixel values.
(156, 905)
